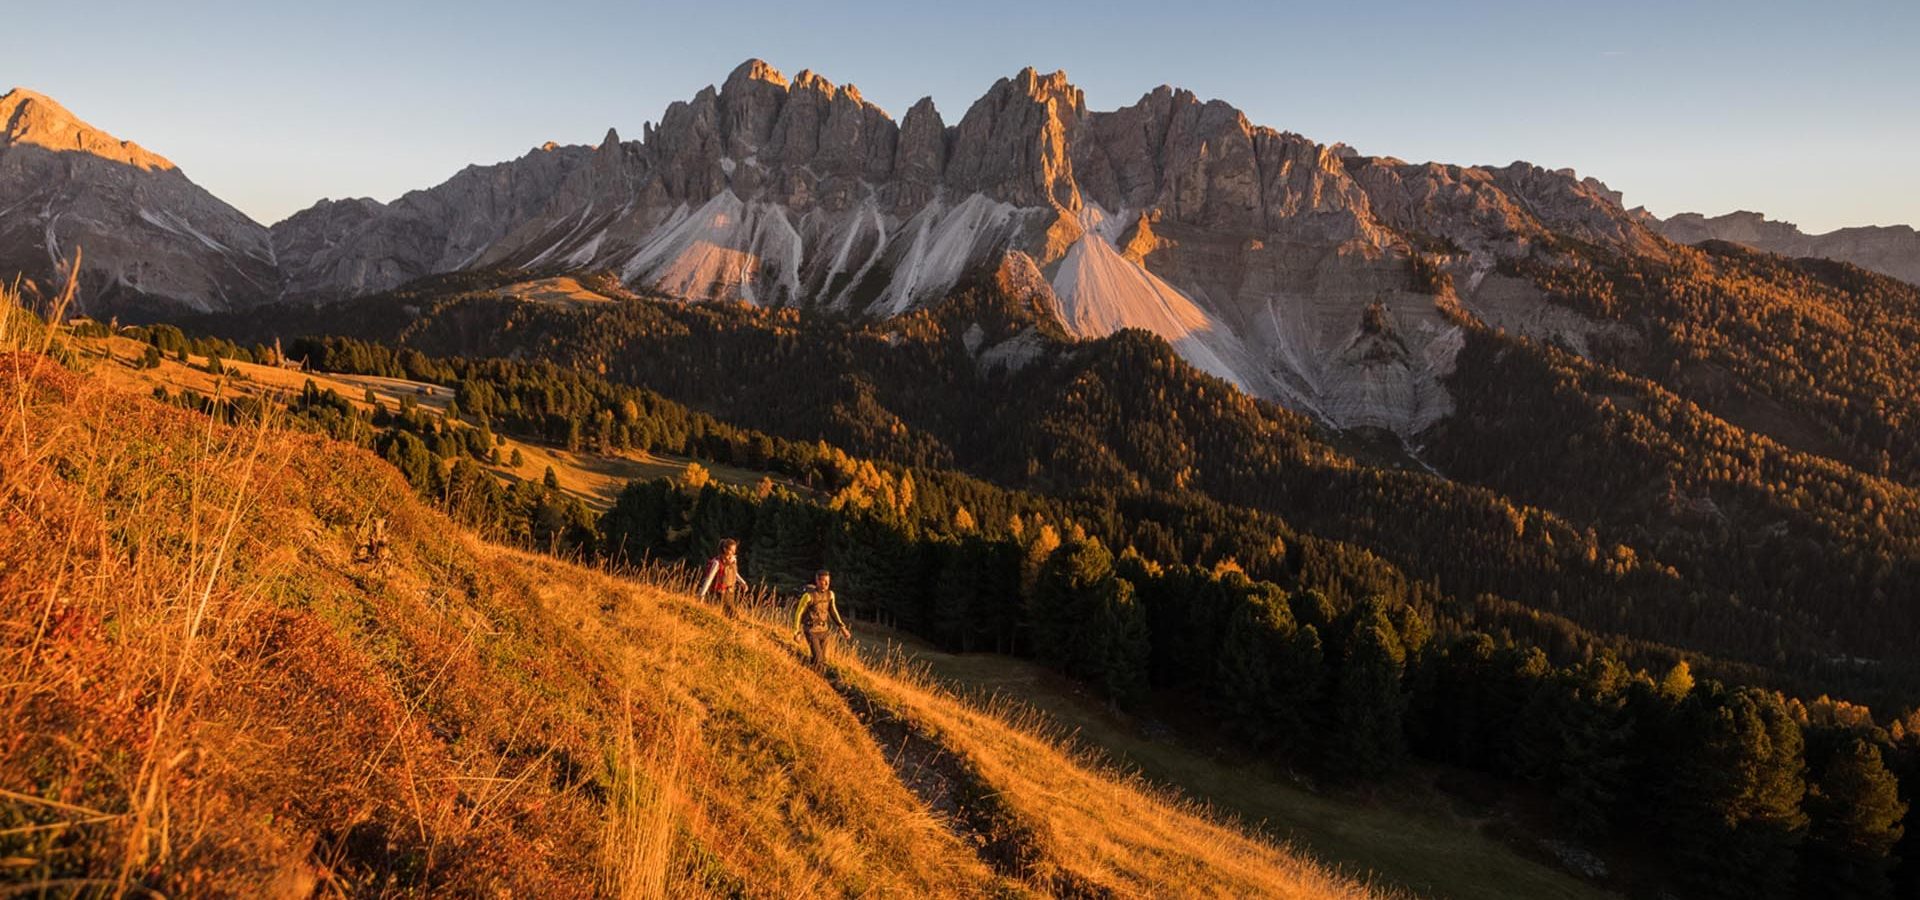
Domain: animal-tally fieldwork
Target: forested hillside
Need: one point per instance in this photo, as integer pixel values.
(1815, 354)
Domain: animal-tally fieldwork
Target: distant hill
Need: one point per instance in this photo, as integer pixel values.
(1660, 477)
(1889, 249)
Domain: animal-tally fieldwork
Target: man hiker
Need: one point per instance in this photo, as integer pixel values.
(815, 613)
(723, 577)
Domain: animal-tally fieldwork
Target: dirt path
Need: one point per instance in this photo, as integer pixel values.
(959, 796)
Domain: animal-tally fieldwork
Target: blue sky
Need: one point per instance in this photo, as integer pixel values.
(1806, 111)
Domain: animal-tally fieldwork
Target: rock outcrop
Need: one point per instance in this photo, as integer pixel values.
(1890, 250)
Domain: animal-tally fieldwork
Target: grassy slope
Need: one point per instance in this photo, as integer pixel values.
(1408, 842)
(212, 691)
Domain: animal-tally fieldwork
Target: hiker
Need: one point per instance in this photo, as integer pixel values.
(374, 550)
(723, 577)
(814, 614)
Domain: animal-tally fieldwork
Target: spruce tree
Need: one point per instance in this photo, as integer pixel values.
(787, 541)
(959, 593)
(636, 527)
(1070, 572)
(1084, 618)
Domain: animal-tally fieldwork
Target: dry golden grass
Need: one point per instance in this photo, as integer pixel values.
(1086, 828)
(563, 290)
(208, 692)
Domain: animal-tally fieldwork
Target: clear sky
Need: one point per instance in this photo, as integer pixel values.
(1806, 111)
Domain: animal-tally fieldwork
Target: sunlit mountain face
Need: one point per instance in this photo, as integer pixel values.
(1260, 254)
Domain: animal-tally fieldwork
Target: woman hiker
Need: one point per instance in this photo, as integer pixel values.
(723, 577)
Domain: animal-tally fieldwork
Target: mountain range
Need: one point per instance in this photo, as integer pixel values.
(1286, 266)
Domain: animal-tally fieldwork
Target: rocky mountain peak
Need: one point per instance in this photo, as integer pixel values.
(34, 119)
(152, 238)
(754, 70)
(921, 151)
(1051, 88)
(1014, 143)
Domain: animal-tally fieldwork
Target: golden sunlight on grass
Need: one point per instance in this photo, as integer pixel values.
(208, 693)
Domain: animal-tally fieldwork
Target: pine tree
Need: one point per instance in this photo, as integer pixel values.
(787, 541)
(410, 455)
(637, 525)
(1367, 736)
(1116, 641)
(1473, 695)
(1084, 617)
(1854, 812)
(875, 561)
(1269, 673)
(1732, 793)
(959, 603)
(1573, 736)
(1069, 572)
